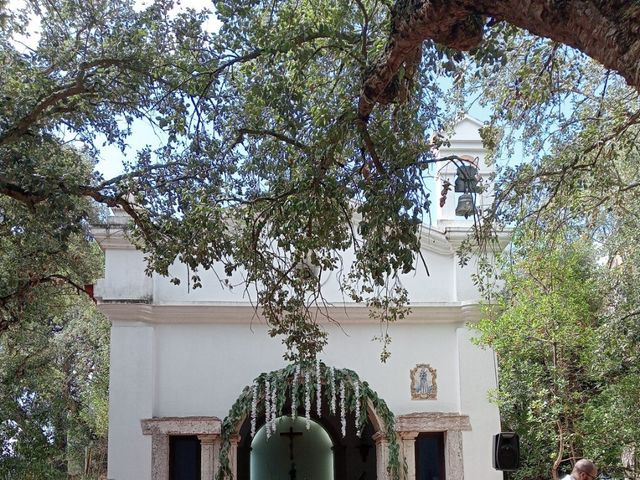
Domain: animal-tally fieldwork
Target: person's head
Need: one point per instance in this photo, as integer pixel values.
(584, 470)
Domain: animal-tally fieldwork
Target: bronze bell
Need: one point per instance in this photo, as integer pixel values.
(465, 205)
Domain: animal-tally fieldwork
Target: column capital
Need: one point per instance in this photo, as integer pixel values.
(379, 437)
(408, 435)
(208, 439)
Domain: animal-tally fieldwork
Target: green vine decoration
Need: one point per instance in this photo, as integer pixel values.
(284, 382)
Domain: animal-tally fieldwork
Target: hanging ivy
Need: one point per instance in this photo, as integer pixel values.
(357, 394)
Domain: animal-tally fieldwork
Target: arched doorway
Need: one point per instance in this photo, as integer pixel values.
(353, 456)
(358, 422)
(293, 451)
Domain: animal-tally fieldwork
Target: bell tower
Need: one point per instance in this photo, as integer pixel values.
(470, 179)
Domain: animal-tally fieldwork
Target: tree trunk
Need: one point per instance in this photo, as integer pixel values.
(629, 462)
(606, 30)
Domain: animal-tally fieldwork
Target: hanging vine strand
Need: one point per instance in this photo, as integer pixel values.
(267, 396)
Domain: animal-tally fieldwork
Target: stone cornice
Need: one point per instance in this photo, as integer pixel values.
(181, 426)
(434, 240)
(457, 235)
(111, 237)
(432, 422)
(135, 313)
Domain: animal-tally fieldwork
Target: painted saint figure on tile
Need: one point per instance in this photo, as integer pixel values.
(423, 382)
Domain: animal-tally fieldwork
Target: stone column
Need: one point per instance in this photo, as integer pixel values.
(453, 455)
(207, 456)
(233, 455)
(408, 448)
(382, 455)
(159, 456)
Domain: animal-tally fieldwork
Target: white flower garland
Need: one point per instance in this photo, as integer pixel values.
(332, 384)
(267, 406)
(343, 413)
(294, 393)
(274, 407)
(318, 389)
(307, 398)
(356, 393)
(254, 407)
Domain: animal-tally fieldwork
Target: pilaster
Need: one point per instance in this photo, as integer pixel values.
(453, 455)
(159, 456)
(208, 456)
(408, 447)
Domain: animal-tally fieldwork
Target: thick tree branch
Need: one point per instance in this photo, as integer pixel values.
(412, 23)
(18, 193)
(605, 30)
(371, 148)
(57, 96)
(27, 285)
(30, 199)
(54, 102)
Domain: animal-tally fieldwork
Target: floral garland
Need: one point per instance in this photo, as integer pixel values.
(307, 399)
(318, 389)
(294, 393)
(332, 386)
(356, 395)
(274, 409)
(267, 406)
(343, 410)
(275, 386)
(254, 408)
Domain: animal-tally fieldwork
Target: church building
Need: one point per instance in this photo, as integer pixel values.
(198, 388)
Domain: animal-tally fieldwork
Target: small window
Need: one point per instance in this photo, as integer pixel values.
(430, 456)
(184, 457)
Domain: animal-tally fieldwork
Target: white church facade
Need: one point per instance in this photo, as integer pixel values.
(181, 359)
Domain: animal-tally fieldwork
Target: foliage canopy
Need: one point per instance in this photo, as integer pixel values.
(279, 130)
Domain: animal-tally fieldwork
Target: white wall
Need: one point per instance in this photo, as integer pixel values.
(200, 369)
(125, 277)
(478, 375)
(131, 398)
(439, 285)
(221, 359)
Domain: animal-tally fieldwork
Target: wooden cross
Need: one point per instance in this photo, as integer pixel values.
(291, 434)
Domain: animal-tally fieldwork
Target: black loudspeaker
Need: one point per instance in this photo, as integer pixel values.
(506, 451)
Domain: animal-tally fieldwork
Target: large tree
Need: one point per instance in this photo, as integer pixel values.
(292, 120)
(566, 332)
(545, 337)
(53, 392)
(54, 353)
(564, 327)
(53, 384)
